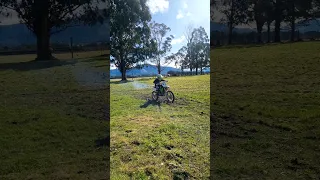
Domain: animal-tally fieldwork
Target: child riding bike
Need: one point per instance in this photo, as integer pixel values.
(157, 81)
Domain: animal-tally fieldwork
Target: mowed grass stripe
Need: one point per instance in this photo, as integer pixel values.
(265, 108)
(162, 141)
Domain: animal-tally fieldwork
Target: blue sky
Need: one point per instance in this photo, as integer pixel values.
(178, 14)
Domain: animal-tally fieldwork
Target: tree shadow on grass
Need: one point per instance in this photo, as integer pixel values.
(35, 65)
(102, 142)
(96, 58)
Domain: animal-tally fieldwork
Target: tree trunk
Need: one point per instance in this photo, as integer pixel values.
(43, 47)
(293, 31)
(42, 32)
(159, 68)
(278, 15)
(277, 31)
(124, 75)
(231, 23)
(230, 34)
(196, 70)
(293, 25)
(259, 32)
(123, 71)
(269, 32)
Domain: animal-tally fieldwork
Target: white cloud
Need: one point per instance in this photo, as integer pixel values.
(179, 15)
(185, 5)
(156, 6)
(178, 40)
(183, 11)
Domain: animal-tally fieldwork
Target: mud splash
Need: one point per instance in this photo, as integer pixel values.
(138, 85)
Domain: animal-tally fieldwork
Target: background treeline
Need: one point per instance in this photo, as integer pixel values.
(218, 38)
(274, 20)
(139, 40)
(55, 47)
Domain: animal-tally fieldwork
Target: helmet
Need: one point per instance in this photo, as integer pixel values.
(159, 76)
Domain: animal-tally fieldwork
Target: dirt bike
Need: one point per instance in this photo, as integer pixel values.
(163, 90)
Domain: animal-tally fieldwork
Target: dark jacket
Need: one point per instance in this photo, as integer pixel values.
(156, 81)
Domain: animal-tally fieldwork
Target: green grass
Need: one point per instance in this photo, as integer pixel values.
(50, 126)
(265, 112)
(151, 140)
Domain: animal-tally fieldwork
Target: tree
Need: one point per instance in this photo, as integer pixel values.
(315, 11)
(269, 10)
(158, 33)
(296, 9)
(235, 12)
(279, 16)
(258, 13)
(213, 4)
(199, 46)
(189, 37)
(130, 36)
(46, 17)
(196, 54)
(205, 57)
(179, 58)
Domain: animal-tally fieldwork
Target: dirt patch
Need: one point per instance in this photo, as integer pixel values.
(181, 175)
(126, 158)
(169, 147)
(137, 143)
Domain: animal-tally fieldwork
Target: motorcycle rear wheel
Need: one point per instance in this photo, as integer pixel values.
(155, 95)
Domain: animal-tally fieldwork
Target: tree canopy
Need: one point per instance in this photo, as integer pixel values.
(130, 35)
(47, 17)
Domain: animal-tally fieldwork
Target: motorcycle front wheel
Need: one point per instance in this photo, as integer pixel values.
(170, 96)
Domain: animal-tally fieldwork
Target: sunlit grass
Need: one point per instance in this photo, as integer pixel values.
(160, 141)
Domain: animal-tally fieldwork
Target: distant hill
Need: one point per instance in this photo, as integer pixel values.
(313, 25)
(146, 70)
(214, 26)
(18, 34)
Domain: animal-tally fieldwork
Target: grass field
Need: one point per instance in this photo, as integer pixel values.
(53, 122)
(156, 140)
(266, 112)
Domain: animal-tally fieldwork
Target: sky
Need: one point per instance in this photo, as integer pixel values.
(178, 14)
(12, 19)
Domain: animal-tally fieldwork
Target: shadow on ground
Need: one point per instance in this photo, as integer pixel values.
(103, 142)
(151, 102)
(120, 82)
(95, 58)
(35, 65)
(179, 175)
